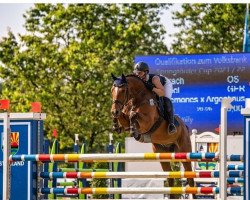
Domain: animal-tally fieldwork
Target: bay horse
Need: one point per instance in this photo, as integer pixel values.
(135, 109)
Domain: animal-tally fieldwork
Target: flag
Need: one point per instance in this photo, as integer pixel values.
(36, 107)
(4, 104)
(217, 130)
(246, 45)
(54, 133)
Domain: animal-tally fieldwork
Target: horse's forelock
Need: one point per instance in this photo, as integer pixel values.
(119, 82)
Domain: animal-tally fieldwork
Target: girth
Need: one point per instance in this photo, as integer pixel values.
(157, 123)
(155, 126)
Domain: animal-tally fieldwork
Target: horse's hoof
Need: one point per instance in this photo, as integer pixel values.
(136, 136)
(132, 115)
(117, 129)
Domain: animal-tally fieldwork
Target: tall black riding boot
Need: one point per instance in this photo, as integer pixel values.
(163, 111)
(168, 106)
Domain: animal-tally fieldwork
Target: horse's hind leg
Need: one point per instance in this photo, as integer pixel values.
(166, 167)
(186, 146)
(188, 167)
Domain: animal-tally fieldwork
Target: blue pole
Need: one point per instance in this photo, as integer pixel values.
(111, 167)
(246, 45)
(46, 165)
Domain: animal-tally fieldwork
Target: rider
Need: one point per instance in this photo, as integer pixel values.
(163, 87)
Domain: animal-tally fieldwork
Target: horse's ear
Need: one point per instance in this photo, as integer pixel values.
(113, 76)
(124, 80)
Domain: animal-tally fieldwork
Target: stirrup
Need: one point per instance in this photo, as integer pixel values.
(172, 129)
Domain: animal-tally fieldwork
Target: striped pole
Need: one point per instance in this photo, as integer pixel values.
(235, 167)
(235, 180)
(201, 174)
(81, 170)
(229, 167)
(124, 157)
(136, 190)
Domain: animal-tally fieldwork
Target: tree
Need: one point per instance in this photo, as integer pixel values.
(209, 28)
(66, 58)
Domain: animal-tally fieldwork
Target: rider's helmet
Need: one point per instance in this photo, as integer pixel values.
(141, 66)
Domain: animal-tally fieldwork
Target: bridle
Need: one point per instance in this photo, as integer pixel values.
(126, 96)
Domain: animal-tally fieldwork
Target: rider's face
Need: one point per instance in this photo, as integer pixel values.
(141, 74)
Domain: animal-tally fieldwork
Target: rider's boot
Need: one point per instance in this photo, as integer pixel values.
(168, 107)
(162, 108)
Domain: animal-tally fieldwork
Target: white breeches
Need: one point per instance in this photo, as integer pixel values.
(168, 88)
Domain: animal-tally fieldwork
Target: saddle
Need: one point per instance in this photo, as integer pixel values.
(163, 113)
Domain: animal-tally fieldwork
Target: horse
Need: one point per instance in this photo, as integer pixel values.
(135, 109)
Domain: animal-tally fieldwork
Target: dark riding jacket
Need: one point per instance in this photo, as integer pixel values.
(162, 79)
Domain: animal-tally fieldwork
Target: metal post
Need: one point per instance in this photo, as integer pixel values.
(6, 155)
(110, 150)
(225, 105)
(246, 113)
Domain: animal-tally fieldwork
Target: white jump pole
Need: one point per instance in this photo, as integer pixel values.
(6, 155)
(225, 105)
(246, 113)
(76, 145)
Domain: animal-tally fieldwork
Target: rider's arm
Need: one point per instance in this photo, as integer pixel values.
(159, 88)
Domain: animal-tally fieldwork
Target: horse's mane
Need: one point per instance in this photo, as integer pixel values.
(140, 79)
(133, 75)
(118, 82)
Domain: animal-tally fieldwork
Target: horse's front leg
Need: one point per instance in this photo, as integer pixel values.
(138, 125)
(141, 121)
(121, 123)
(133, 118)
(134, 125)
(115, 126)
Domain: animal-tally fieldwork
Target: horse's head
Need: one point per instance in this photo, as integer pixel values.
(126, 88)
(119, 92)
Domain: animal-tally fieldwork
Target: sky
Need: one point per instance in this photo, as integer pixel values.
(11, 16)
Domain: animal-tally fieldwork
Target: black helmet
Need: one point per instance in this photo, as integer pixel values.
(141, 66)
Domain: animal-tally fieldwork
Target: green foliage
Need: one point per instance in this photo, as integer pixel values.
(209, 28)
(98, 182)
(65, 60)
